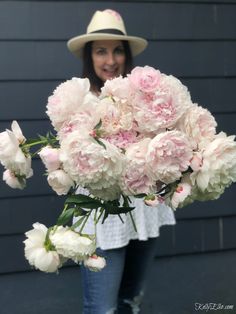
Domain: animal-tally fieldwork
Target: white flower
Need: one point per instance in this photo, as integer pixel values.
(17, 132)
(9, 148)
(37, 254)
(218, 169)
(71, 244)
(11, 155)
(11, 180)
(60, 181)
(95, 263)
(199, 124)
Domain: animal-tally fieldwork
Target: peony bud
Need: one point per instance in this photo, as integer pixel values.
(95, 263)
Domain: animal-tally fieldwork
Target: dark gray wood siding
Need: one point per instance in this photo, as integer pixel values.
(193, 40)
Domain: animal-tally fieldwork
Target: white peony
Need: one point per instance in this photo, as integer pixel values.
(11, 155)
(218, 169)
(60, 181)
(71, 244)
(199, 124)
(37, 254)
(11, 180)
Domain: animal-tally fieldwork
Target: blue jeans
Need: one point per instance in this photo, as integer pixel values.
(118, 288)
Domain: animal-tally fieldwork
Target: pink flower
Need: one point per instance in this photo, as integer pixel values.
(84, 121)
(153, 200)
(168, 155)
(145, 79)
(115, 116)
(122, 139)
(161, 108)
(50, 158)
(89, 163)
(118, 88)
(135, 178)
(196, 161)
(67, 100)
(199, 124)
(182, 191)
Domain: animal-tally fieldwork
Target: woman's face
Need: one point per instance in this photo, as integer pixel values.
(108, 58)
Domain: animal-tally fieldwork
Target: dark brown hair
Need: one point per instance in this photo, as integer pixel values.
(88, 69)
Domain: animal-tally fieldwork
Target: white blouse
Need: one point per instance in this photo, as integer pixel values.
(114, 233)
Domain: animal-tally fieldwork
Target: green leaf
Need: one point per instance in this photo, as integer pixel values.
(97, 126)
(84, 201)
(78, 223)
(66, 216)
(79, 212)
(140, 195)
(100, 142)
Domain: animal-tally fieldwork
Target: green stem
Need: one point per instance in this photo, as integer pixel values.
(133, 222)
(96, 221)
(119, 215)
(35, 143)
(85, 220)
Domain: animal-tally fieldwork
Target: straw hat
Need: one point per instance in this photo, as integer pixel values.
(106, 25)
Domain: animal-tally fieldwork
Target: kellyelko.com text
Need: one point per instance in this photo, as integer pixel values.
(212, 306)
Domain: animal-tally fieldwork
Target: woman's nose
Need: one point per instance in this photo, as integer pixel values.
(110, 59)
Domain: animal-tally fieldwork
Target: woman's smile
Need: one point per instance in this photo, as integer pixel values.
(108, 58)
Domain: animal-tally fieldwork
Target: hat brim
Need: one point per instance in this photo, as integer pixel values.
(76, 44)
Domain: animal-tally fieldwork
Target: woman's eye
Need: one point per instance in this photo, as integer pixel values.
(119, 51)
(101, 52)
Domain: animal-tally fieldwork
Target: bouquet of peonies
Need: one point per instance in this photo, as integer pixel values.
(142, 137)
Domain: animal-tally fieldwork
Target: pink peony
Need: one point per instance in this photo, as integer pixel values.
(84, 121)
(122, 139)
(115, 116)
(153, 200)
(168, 155)
(163, 107)
(67, 99)
(199, 124)
(89, 163)
(182, 191)
(118, 88)
(50, 157)
(135, 178)
(196, 161)
(145, 79)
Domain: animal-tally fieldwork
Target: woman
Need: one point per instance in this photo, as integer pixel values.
(107, 52)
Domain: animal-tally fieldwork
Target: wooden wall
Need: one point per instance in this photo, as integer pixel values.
(193, 40)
